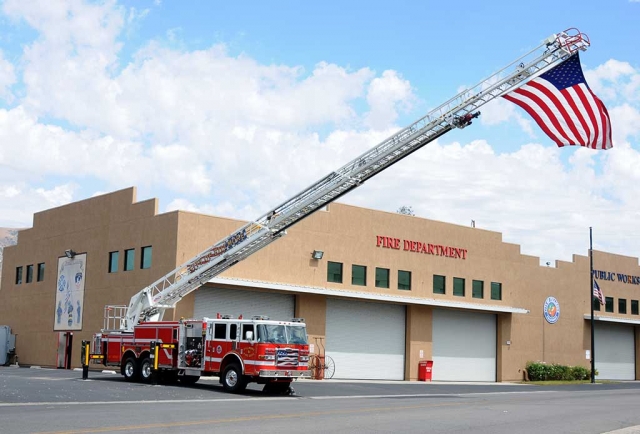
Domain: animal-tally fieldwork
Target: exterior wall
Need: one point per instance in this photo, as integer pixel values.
(345, 234)
(97, 226)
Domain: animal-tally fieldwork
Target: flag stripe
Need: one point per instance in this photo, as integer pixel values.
(535, 117)
(581, 113)
(540, 104)
(559, 100)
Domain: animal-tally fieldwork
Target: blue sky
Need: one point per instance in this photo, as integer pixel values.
(230, 107)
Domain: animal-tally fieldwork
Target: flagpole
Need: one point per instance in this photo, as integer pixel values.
(593, 356)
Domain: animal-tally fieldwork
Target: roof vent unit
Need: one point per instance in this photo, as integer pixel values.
(297, 319)
(260, 317)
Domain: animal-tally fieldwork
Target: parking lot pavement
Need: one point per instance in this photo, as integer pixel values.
(24, 385)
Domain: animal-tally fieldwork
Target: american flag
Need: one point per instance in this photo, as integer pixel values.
(562, 104)
(597, 292)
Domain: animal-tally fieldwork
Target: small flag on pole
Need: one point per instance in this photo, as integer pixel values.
(597, 292)
(563, 105)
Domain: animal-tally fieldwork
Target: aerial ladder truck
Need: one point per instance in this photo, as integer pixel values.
(259, 349)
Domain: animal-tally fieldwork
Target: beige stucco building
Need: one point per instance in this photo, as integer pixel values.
(389, 290)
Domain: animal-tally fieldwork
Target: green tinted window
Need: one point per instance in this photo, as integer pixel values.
(18, 275)
(382, 277)
(438, 284)
(334, 272)
(41, 272)
(477, 290)
(145, 260)
(622, 305)
(29, 273)
(359, 275)
(404, 280)
(634, 307)
(596, 304)
(129, 259)
(113, 261)
(608, 305)
(458, 286)
(496, 291)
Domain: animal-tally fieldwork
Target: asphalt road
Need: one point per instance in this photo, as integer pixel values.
(57, 401)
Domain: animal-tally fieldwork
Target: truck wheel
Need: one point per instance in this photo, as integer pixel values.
(146, 369)
(130, 369)
(232, 379)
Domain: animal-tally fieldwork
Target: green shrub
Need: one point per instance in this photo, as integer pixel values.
(541, 371)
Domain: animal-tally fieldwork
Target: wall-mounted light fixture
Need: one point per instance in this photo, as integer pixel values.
(317, 254)
(69, 253)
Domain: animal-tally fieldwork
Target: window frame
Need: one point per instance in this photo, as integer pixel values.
(29, 273)
(634, 311)
(112, 255)
(473, 289)
(444, 284)
(622, 305)
(331, 276)
(362, 268)
(406, 274)
(388, 278)
(40, 272)
(143, 257)
(128, 260)
(498, 287)
(458, 280)
(606, 304)
(18, 280)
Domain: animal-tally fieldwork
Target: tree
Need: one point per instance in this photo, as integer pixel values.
(406, 210)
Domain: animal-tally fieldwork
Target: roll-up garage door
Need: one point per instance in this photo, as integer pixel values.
(464, 346)
(614, 351)
(211, 301)
(366, 340)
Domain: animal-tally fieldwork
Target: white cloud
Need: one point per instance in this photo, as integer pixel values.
(228, 135)
(7, 78)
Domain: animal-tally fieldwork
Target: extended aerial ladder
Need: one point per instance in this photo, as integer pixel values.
(150, 303)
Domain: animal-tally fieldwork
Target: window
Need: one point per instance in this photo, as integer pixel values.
(18, 275)
(404, 280)
(382, 277)
(41, 272)
(477, 290)
(596, 304)
(608, 305)
(622, 305)
(113, 261)
(438, 284)
(634, 307)
(145, 260)
(233, 331)
(359, 275)
(247, 328)
(220, 331)
(29, 273)
(129, 258)
(334, 272)
(458, 286)
(496, 291)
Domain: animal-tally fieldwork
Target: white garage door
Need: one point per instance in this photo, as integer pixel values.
(211, 301)
(366, 340)
(464, 346)
(614, 351)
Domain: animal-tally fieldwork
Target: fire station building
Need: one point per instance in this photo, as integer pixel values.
(379, 291)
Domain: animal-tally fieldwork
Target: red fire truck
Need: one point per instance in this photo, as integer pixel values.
(247, 350)
(239, 351)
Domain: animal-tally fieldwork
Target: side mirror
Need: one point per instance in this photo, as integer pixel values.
(249, 335)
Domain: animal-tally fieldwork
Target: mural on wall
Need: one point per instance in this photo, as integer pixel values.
(70, 293)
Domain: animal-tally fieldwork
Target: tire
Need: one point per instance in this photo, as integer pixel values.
(232, 379)
(130, 369)
(146, 370)
(329, 367)
(189, 379)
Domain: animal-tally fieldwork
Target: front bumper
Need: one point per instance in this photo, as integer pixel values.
(285, 374)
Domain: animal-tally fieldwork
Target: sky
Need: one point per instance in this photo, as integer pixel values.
(230, 108)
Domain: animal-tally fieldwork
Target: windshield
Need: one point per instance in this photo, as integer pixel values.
(282, 334)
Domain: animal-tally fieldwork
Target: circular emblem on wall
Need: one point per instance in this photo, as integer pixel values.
(551, 310)
(219, 349)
